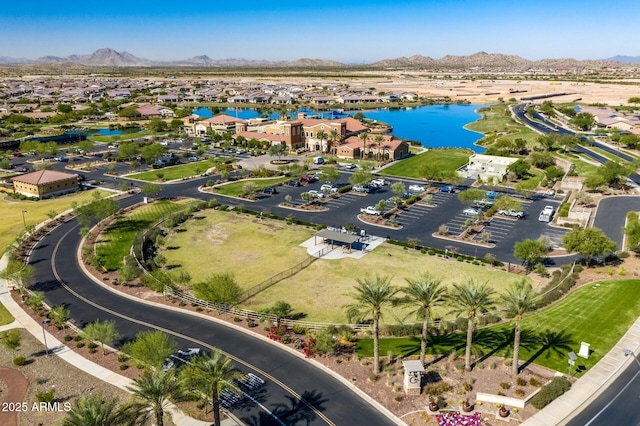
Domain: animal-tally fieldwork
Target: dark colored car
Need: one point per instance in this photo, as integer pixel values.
(269, 190)
(446, 189)
(294, 182)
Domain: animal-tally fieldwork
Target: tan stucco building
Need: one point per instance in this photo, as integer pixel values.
(45, 183)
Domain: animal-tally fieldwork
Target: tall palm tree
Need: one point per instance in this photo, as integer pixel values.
(519, 299)
(371, 296)
(154, 388)
(424, 293)
(322, 135)
(471, 299)
(210, 375)
(379, 139)
(363, 137)
(334, 136)
(94, 410)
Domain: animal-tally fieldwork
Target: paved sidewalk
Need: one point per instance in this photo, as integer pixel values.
(590, 384)
(23, 320)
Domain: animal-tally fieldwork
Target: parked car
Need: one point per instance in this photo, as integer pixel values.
(328, 189)
(416, 188)
(350, 166)
(61, 159)
(371, 187)
(308, 178)
(315, 194)
(380, 182)
(17, 154)
(23, 170)
(360, 188)
(512, 213)
(408, 194)
(446, 188)
(188, 353)
(269, 190)
(193, 158)
(294, 182)
(469, 212)
(492, 195)
(370, 210)
(168, 363)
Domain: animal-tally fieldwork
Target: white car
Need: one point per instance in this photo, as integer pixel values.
(379, 182)
(469, 212)
(350, 166)
(416, 188)
(328, 189)
(315, 194)
(512, 213)
(370, 210)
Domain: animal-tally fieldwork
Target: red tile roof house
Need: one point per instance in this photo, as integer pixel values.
(45, 183)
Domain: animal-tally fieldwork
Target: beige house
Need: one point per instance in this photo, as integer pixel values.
(487, 167)
(45, 183)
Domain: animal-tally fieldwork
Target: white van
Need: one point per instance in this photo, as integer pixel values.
(318, 160)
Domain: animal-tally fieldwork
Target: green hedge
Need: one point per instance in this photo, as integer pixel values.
(550, 391)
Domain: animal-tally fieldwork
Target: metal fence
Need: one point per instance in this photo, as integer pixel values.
(249, 293)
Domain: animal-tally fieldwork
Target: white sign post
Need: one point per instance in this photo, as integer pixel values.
(584, 350)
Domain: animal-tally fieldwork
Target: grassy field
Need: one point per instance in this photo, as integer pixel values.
(36, 211)
(5, 316)
(234, 189)
(443, 159)
(249, 248)
(550, 334)
(497, 121)
(180, 171)
(221, 241)
(116, 240)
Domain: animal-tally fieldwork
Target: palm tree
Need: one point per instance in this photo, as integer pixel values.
(322, 135)
(334, 136)
(210, 375)
(363, 137)
(471, 299)
(94, 410)
(371, 296)
(424, 293)
(379, 139)
(519, 299)
(59, 315)
(154, 388)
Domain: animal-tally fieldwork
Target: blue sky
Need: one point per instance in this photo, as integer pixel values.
(355, 31)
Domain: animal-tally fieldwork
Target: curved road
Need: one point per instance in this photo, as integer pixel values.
(296, 392)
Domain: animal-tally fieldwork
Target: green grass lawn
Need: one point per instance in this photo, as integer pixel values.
(243, 245)
(497, 121)
(115, 242)
(443, 159)
(220, 241)
(180, 171)
(532, 182)
(5, 316)
(234, 189)
(598, 313)
(12, 225)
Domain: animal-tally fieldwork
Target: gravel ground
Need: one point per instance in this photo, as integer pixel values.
(43, 373)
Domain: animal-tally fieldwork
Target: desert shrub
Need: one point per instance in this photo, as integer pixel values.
(534, 382)
(505, 385)
(549, 392)
(67, 338)
(237, 319)
(437, 389)
(92, 350)
(78, 338)
(123, 367)
(123, 358)
(92, 345)
(373, 378)
(468, 387)
(521, 382)
(492, 365)
(19, 361)
(47, 397)
(79, 345)
(519, 393)
(299, 329)
(459, 366)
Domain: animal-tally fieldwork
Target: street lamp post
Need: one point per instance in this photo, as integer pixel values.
(24, 221)
(628, 352)
(44, 335)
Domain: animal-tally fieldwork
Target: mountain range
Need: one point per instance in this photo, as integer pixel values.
(486, 61)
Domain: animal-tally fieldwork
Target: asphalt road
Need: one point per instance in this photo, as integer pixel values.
(296, 392)
(616, 405)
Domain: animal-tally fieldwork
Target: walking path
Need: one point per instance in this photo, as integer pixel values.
(558, 412)
(23, 320)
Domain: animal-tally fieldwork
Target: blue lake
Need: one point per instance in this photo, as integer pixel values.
(434, 126)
